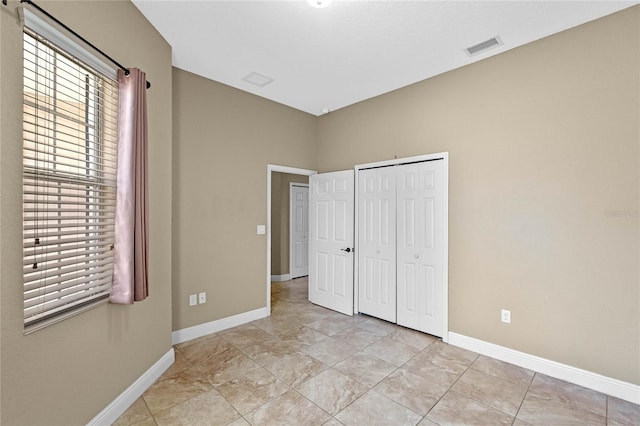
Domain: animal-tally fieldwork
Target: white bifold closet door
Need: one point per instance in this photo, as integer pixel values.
(377, 242)
(401, 231)
(420, 246)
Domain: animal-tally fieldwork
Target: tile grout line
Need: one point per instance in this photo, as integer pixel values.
(153, 416)
(290, 388)
(450, 387)
(213, 387)
(525, 396)
(502, 380)
(371, 389)
(148, 409)
(407, 361)
(396, 369)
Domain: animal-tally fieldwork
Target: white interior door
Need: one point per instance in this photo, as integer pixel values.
(377, 242)
(331, 219)
(298, 230)
(421, 246)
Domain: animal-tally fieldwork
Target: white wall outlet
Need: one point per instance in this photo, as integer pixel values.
(506, 316)
(202, 297)
(193, 300)
(261, 229)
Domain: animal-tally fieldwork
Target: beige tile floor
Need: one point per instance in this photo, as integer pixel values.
(306, 365)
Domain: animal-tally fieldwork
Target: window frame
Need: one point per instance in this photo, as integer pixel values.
(99, 198)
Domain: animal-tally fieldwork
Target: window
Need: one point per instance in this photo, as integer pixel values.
(69, 182)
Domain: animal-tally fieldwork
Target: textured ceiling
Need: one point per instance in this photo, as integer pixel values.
(350, 51)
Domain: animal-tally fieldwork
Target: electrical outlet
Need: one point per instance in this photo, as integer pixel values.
(506, 316)
(193, 300)
(202, 297)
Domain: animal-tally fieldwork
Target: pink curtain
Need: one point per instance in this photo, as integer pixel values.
(132, 205)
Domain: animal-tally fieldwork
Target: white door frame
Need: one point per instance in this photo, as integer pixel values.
(282, 169)
(291, 256)
(397, 161)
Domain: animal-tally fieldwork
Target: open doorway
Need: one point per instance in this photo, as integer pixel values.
(298, 237)
(279, 181)
(283, 222)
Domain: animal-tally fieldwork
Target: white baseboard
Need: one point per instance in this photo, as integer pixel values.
(200, 330)
(618, 388)
(119, 405)
(280, 278)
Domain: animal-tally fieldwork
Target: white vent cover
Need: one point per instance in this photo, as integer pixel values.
(257, 79)
(484, 46)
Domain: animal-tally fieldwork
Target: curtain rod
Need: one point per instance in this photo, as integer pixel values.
(87, 42)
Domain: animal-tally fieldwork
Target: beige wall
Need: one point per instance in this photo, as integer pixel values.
(544, 145)
(67, 373)
(280, 220)
(223, 139)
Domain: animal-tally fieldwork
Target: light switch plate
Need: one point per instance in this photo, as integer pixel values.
(193, 300)
(261, 230)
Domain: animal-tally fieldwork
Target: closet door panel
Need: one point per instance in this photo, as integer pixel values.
(377, 243)
(429, 294)
(409, 298)
(420, 194)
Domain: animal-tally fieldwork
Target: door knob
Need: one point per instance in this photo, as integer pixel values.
(377, 251)
(348, 249)
(417, 255)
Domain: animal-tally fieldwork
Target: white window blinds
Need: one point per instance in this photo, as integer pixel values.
(69, 181)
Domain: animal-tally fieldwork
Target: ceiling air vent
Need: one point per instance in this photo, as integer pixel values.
(484, 46)
(257, 79)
